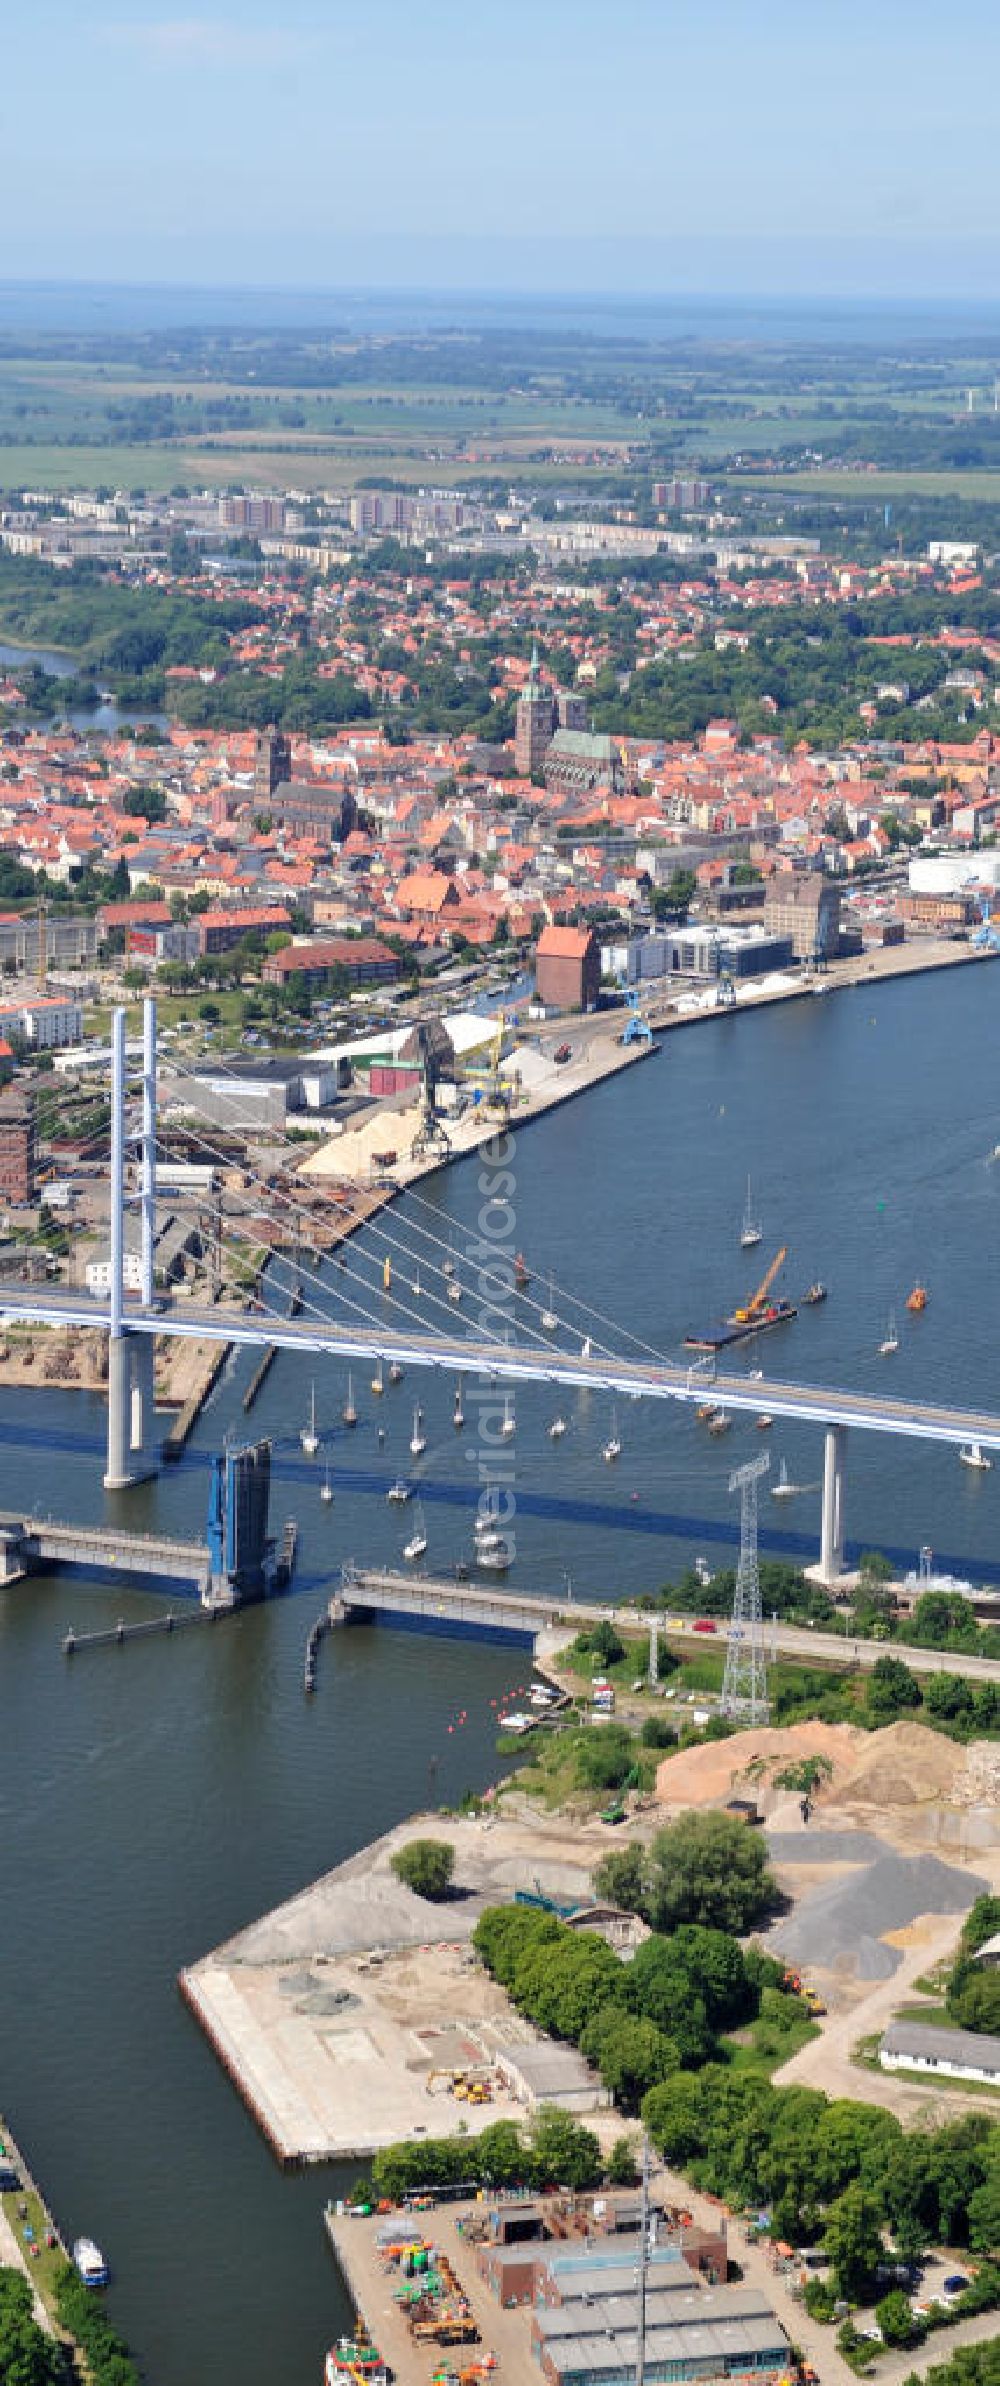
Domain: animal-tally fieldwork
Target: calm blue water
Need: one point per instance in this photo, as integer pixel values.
(155, 1798)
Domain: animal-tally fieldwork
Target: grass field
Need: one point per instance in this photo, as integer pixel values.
(975, 487)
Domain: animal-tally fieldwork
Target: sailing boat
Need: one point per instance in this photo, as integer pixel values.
(612, 1447)
(585, 1348)
(458, 1419)
(890, 1339)
(507, 1429)
(395, 1372)
(751, 1231)
(418, 1438)
(972, 1455)
(454, 1288)
(349, 1412)
(549, 1318)
(783, 1489)
(326, 1489)
(378, 1381)
(557, 1428)
(415, 1286)
(309, 1437)
(417, 1543)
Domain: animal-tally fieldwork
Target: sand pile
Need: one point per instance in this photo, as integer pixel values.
(749, 1760)
(848, 1924)
(979, 1785)
(904, 1765)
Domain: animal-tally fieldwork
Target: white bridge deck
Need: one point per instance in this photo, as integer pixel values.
(465, 1354)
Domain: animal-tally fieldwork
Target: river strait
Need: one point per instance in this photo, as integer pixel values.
(156, 1798)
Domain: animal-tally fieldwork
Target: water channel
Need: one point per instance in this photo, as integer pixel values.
(102, 719)
(155, 1798)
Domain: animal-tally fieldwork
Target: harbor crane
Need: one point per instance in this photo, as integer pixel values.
(752, 1307)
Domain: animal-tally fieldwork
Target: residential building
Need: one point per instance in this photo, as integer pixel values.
(948, 2054)
(43, 1024)
(364, 959)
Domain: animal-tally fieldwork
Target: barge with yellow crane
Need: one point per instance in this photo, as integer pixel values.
(757, 1315)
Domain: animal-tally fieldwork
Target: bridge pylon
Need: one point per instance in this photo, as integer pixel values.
(130, 1356)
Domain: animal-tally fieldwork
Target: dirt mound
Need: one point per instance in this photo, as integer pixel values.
(904, 1765)
(719, 1769)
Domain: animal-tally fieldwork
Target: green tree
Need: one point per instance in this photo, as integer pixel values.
(900, 2325)
(620, 1878)
(853, 2240)
(564, 2153)
(623, 2170)
(892, 1689)
(426, 1866)
(709, 1868)
(631, 2055)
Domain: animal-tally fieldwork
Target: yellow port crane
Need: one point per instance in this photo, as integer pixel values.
(755, 1304)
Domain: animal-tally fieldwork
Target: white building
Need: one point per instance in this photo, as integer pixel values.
(942, 2054)
(46, 1022)
(98, 1273)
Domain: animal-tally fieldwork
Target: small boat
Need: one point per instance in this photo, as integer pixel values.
(783, 1489)
(395, 1372)
(816, 1293)
(349, 1412)
(493, 1554)
(398, 1493)
(612, 1447)
(309, 1437)
(484, 1526)
(720, 1422)
(890, 1339)
(517, 1722)
(417, 1544)
(458, 1417)
(418, 1438)
(585, 1348)
(415, 1286)
(326, 1489)
(387, 1274)
(522, 1276)
(751, 1231)
(508, 1427)
(755, 1375)
(454, 1289)
(703, 1571)
(378, 1381)
(557, 1429)
(448, 1265)
(764, 1422)
(971, 1455)
(89, 2263)
(355, 2361)
(917, 1299)
(708, 1409)
(549, 1318)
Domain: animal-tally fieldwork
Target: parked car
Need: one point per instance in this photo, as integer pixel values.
(704, 1624)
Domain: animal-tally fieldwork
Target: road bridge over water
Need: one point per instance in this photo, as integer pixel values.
(132, 1325)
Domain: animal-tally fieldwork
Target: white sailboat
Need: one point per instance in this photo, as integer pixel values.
(890, 1339)
(326, 1489)
(972, 1455)
(309, 1437)
(398, 1493)
(557, 1428)
(395, 1372)
(493, 1553)
(415, 1286)
(612, 1447)
(418, 1438)
(454, 1289)
(585, 1348)
(783, 1489)
(417, 1543)
(508, 1427)
(349, 1412)
(751, 1231)
(458, 1418)
(378, 1381)
(549, 1318)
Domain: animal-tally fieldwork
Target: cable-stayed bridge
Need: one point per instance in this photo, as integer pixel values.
(400, 1326)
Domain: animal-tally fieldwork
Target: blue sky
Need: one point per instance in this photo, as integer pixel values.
(834, 146)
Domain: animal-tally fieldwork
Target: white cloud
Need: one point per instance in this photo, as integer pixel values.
(209, 41)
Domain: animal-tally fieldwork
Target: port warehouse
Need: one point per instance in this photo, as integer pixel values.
(570, 2266)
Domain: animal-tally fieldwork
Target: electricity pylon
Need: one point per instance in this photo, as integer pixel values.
(744, 1687)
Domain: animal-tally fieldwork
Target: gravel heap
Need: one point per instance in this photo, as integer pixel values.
(843, 1924)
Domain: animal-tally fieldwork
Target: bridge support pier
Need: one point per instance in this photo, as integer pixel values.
(831, 1551)
(130, 1411)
